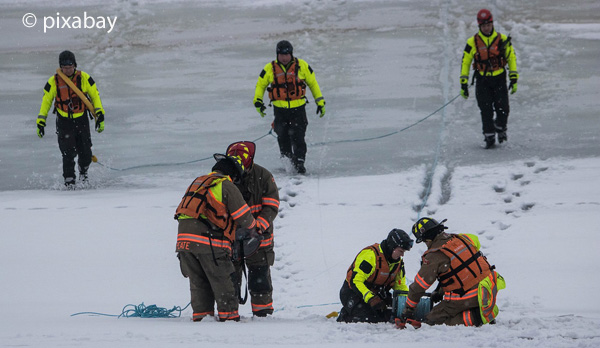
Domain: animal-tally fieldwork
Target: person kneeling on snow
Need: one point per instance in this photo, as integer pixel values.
(467, 283)
(375, 270)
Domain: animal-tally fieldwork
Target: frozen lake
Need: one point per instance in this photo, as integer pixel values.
(177, 80)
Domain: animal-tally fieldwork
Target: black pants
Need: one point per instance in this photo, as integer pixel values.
(492, 95)
(355, 310)
(259, 279)
(290, 126)
(74, 140)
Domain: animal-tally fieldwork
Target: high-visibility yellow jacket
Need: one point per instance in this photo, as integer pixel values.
(471, 51)
(371, 273)
(305, 73)
(87, 86)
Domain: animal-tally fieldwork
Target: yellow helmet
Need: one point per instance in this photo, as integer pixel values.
(427, 228)
(229, 165)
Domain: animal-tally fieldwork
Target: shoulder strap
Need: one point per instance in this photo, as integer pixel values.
(276, 85)
(465, 263)
(77, 91)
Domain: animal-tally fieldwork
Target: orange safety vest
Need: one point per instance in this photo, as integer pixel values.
(286, 85)
(383, 276)
(468, 266)
(200, 203)
(66, 98)
(489, 58)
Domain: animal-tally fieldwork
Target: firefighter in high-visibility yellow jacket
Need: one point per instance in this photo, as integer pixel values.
(490, 53)
(286, 79)
(72, 124)
(376, 269)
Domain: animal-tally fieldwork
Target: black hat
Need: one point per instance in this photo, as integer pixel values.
(284, 47)
(398, 238)
(67, 58)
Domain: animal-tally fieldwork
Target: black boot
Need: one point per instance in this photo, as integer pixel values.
(299, 165)
(70, 183)
(490, 141)
(83, 177)
(502, 137)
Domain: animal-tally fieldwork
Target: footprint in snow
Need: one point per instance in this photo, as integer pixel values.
(516, 177)
(502, 226)
(527, 206)
(539, 170)
(499, 188)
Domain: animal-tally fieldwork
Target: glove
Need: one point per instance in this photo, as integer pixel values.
(436, 296)
(321, 108)
(376, 303)
(40, 127)
(260, 107)
(407, 318)
(99, 122)
(464, 87)
(513, 83)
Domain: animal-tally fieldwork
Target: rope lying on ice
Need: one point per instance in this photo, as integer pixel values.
(389, 134)
(172, 163)
(152, 311)
(143, 311)
(270, 132)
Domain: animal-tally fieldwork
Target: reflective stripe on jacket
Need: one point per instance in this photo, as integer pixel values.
(214, 200)
(487, 290)
(260, 192)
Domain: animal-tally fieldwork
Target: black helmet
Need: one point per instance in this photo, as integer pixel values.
(67, 58)
(398, 238)
(229, 165)
(285, 47)
(427, 228)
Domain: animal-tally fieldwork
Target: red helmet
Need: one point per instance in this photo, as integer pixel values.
(484, 16)
(244, 150)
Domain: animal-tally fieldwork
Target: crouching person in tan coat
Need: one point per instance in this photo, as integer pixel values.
(468, 284)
